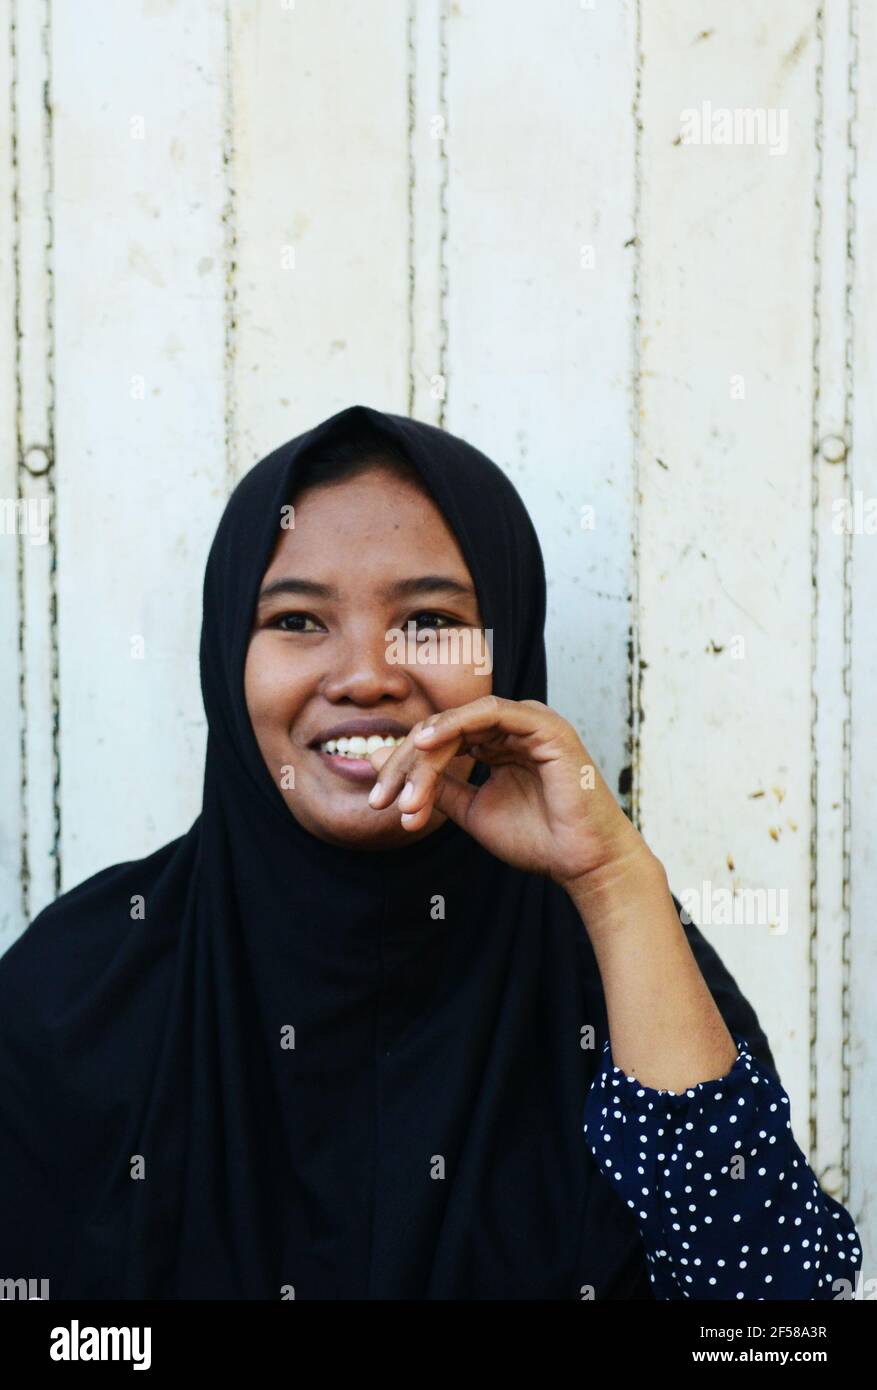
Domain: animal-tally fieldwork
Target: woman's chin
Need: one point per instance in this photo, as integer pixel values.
(364, 828)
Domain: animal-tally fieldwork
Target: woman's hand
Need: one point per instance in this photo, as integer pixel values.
(545, 807)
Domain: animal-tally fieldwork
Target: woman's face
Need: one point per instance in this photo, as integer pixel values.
(365, 556)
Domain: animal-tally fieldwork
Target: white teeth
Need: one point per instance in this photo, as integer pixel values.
(359, 747)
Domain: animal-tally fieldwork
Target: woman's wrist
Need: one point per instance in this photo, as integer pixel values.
(665, 1025)
(617, 892)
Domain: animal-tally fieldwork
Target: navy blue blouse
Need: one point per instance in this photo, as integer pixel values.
(727, 1204)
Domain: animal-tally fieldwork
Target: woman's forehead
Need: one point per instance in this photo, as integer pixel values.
(369, 525)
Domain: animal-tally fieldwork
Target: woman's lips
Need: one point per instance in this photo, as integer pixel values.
(357, 770)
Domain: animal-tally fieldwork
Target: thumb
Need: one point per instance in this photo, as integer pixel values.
(454, 798)
(379, 757)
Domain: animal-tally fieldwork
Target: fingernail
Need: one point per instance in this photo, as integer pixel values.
(406, 819)
(374, 793)
(406, 795)
(428, 732)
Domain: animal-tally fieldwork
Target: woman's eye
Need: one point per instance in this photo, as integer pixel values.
(295, 622)
(429, 619)
(290, 622)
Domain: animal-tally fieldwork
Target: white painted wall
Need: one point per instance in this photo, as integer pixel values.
(234, 220)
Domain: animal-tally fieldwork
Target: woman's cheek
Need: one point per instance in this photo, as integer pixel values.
(267, 687)
(460, 685)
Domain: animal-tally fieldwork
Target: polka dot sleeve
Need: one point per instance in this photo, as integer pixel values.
(727, 1204)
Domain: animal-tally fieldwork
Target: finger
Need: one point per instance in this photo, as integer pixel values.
(493, 741)
(399, 768)
(380, 756)
(497, 757)
(391, 765)
(489, 713)
(420, 784)
(505, 748)
(451, 796)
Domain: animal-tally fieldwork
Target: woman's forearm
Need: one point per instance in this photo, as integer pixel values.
(664, 1025)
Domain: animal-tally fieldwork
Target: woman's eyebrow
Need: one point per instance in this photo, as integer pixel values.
(404, 588)
(428, 584)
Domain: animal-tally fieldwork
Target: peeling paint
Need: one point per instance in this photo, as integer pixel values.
(139, 261)
(791, 58)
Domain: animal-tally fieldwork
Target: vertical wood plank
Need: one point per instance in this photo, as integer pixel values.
(139, 246)
(832, 423)
(724, 467)
(34, 451)
(539, 260)
(321, 222)
(862, 958)
(427, 208)
(12, 910)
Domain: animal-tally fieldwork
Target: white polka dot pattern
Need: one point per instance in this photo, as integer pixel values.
(727, 1204)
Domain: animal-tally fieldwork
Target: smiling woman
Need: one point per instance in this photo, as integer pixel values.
(318, 675)
(410, 1010)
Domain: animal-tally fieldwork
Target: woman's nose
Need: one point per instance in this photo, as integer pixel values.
(362, 670)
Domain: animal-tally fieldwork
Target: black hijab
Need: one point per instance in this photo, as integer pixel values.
(305, 1070)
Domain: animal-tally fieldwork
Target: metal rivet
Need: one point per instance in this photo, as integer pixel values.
(833, 448)
(37, 460)
(832, 1180)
